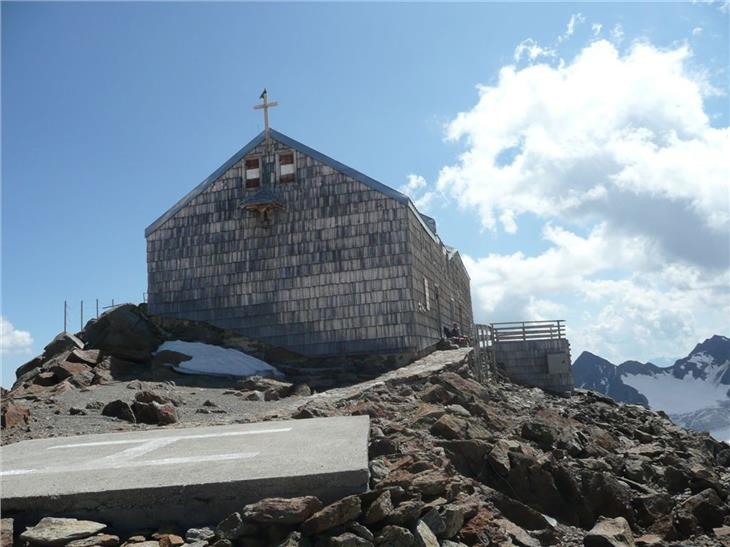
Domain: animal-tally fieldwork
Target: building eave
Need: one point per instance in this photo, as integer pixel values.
(200, 188)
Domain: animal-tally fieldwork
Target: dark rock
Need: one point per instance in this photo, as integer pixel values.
(295, 539)
(69, 369)
(608, 497)
(22, 373)
(154, 413)
(169, 357)
(614, 532)
(701, 511)
(64, 341)
(379, 509)
(453, 519)
(434, 521)
(88, 356)
(675, 479)
(406, 513)
(395, 536)
(119, 409)
(233, 527)
(146, 396)
(382, 446)
(282, 510)
(462, 389)
(540, 433)
(348, 539)
(449, 427)
(476, 531)
(335, 514)
(94, 405)
(519, 513)
(357, 528)
(125, 332)
(45, 379)
(76, 411)
(436, 394)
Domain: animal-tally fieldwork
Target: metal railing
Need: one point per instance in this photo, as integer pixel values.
(518, 331)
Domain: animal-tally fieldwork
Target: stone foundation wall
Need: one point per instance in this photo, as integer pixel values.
(528, 363)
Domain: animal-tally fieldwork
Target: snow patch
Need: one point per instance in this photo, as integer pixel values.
(721, 434)
(678, 395)
(217, 361)
(701, 358)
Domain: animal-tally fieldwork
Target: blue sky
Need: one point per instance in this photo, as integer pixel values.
(111, 112)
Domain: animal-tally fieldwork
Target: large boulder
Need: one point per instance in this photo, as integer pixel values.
(14, 414)
(154, 413)
(124, 332)
(119, 409)
(610, 533)
(58, 531)
(703, 511)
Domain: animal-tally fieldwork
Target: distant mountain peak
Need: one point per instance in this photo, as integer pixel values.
(695, 390)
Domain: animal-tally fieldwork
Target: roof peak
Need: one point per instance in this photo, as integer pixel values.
(304, 149)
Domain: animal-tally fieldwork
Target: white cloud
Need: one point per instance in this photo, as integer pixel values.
(617, 33)
(696, 31)
(416, 189)
(617, 155)
(620, 138)
(13, 340)
(530, 49)
(575, 19)
(415, 183)
(596, 28)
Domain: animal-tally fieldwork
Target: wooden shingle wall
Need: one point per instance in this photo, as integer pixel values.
(329, 274)
(449, 288)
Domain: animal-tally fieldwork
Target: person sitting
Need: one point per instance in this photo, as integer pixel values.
(455, 332)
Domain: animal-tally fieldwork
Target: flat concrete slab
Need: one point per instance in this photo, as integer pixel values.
(188, 477)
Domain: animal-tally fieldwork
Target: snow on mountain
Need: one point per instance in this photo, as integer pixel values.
(694, 391)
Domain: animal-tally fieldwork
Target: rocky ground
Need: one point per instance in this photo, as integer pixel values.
(453, 461)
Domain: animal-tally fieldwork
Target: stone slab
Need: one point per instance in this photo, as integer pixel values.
(190, 477)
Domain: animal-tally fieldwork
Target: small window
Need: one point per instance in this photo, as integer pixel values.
(253, 172)
(428, 295)
(286, 167)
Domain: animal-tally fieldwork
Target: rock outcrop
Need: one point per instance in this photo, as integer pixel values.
(455, 461)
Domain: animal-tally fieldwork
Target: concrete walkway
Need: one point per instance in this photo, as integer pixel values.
(187, 476)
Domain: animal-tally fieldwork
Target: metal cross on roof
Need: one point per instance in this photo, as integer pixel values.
(265, 107)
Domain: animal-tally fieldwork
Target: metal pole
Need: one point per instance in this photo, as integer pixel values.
(97, 308)
(65, 315)
(82, 316)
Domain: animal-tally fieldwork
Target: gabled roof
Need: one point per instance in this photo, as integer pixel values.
(304, 149)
